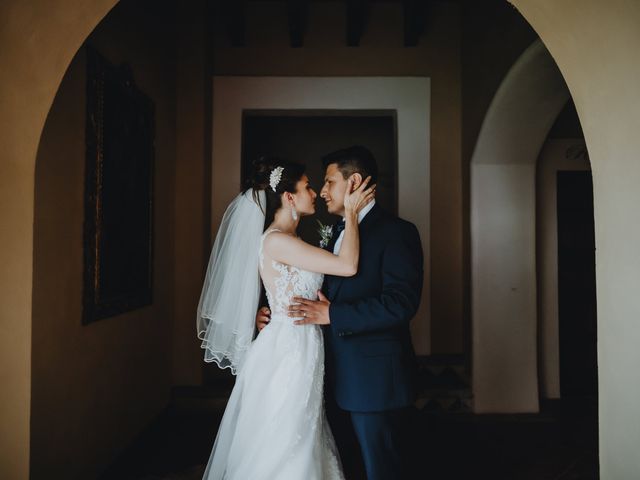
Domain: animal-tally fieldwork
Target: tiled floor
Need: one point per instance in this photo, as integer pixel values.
(558, 444)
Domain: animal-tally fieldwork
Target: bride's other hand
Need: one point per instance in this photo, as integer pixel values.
(356, 200)
(263, 317)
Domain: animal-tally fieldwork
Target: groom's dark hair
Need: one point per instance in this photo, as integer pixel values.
(355, 159)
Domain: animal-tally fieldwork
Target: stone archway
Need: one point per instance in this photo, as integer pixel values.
(503, 235)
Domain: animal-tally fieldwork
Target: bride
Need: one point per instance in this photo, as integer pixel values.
(274, 425)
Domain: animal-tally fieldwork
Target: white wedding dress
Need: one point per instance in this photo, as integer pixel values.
(274, 426)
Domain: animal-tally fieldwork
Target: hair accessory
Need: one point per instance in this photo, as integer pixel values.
(274, 177)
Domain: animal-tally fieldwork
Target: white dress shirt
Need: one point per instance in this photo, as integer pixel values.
(361, 215)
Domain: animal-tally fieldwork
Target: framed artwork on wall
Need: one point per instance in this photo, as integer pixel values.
(118, 224)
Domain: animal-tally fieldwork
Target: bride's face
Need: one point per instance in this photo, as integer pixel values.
(305, 197)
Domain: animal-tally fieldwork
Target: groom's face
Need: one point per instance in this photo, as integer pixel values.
(333, 190)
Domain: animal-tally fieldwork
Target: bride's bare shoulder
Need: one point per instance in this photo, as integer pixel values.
(277, 241)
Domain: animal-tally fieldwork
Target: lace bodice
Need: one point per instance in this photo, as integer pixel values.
(283, 282)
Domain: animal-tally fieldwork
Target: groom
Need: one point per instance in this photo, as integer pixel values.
(368, 350)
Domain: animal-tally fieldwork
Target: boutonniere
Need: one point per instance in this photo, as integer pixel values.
(326, 232)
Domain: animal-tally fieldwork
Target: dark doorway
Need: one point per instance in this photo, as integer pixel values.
(306, 135)
(577, 285)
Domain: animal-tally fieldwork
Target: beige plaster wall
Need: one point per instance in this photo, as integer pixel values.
(596, 45)
(94, 387)
(504, 298)
(37, 41)
(381, 53)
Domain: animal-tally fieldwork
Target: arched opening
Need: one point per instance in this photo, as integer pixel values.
(529, 287)
(503, 230)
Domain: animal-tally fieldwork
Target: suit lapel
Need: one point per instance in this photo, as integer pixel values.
(368, 221)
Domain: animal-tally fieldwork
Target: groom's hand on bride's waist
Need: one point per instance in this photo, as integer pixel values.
(310, 311)
(263, 317)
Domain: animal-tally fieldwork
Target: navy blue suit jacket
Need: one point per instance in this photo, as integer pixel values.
(369, 355)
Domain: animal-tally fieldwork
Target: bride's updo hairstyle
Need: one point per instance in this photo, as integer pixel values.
(260, 180)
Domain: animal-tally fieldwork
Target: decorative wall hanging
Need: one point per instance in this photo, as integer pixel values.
(118, 228)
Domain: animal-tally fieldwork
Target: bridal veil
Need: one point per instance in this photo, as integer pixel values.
(231, 291)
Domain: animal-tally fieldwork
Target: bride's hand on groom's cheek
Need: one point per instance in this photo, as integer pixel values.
(314, 312)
